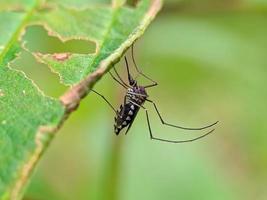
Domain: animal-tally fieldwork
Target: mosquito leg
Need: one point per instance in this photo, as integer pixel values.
(164, 140)
(128, 128)
(168, 124)
(154, 83)
(122, 81)
(125, 86)
(151, 85)
(180, 127)
(173, 141)
(130, 78)
(105, 100)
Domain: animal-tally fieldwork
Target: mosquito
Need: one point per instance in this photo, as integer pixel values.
(134, 99)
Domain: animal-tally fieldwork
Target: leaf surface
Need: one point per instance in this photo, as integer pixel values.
(28, 117)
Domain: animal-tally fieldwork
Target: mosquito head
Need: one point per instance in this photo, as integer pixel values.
(132, 82)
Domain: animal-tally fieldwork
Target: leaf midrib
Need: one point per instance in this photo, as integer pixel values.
(14, 38)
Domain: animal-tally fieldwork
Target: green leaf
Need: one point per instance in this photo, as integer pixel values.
(29, 118)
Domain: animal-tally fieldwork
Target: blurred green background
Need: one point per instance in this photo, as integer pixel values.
(210, 59)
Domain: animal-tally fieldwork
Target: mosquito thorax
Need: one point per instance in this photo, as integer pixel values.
(138, 90)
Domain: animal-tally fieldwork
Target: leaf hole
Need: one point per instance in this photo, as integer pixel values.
(41, 75)
(38, 40)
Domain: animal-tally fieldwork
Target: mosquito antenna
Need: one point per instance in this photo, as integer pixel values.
(130, 78)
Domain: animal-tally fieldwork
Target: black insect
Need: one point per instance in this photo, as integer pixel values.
(134, 99)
